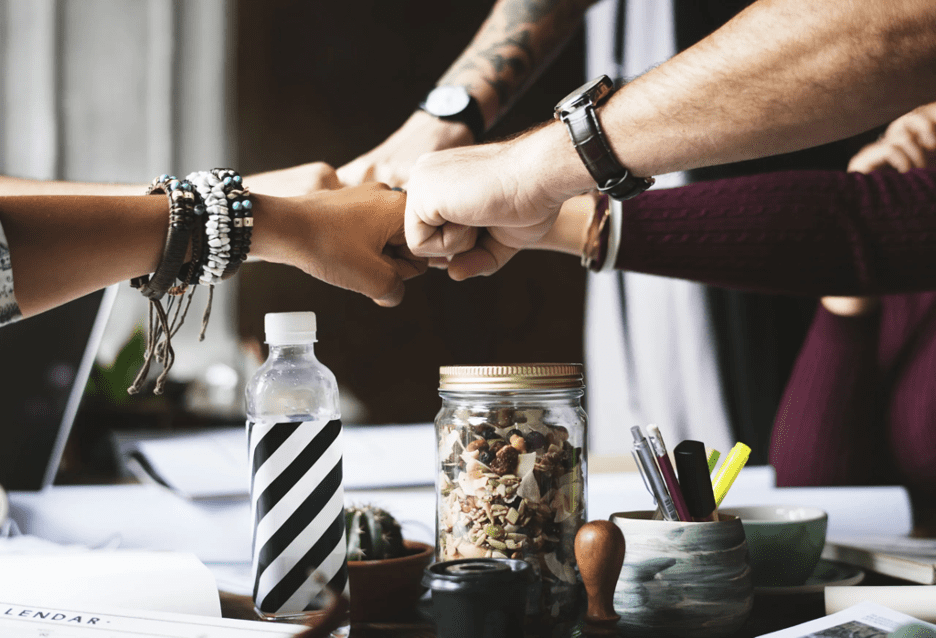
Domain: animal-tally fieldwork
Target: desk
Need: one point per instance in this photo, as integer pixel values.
(150, 517)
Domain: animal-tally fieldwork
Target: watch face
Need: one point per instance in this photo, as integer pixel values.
(444, 101)
(591, 93)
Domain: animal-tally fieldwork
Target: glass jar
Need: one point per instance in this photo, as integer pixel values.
(512, 478)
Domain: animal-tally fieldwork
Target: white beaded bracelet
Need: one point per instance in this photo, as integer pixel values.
(217, 225)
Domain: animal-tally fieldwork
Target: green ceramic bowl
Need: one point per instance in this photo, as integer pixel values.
(785, 542)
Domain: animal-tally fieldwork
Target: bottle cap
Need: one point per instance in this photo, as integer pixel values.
(283, 328)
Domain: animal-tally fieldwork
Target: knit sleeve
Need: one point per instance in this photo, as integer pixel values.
(9, 309)
(798, 232)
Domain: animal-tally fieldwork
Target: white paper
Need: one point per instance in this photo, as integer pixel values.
(136, 517)
(27, 620)
(869, 620)
(916, 601)
(200, 465)
(158, 581)
(213, 463)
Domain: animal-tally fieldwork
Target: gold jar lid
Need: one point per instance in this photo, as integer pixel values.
(532, 376)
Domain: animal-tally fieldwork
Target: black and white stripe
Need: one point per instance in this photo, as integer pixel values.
(297, 506)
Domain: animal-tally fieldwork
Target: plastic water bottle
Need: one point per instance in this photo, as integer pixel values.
(296, 494)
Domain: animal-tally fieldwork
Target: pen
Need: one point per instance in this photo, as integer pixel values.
(694, 480)
(713, 459)
(644, 456)
(728, 472)
(666, 469)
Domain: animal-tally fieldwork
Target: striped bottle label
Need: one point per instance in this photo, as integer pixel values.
(297, 508)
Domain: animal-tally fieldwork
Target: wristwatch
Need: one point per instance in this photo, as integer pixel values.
(455, 104)
(577, 110)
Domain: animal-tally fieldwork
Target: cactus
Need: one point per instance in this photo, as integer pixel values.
(372, 534)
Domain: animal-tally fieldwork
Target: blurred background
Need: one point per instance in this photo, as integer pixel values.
(121, 91)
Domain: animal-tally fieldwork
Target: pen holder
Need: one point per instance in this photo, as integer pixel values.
(682, 579)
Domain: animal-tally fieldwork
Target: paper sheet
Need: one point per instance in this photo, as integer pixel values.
(27, 620)
(916, 601)
(868, 620)
(159, 581)
(213, 463)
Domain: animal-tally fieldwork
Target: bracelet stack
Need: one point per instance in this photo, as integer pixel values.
(210, 212)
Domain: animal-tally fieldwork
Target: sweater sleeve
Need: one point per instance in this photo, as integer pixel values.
(799, 232)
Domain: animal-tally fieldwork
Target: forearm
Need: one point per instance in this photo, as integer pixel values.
(515, 43)
(10, 186)
(62, 248)
(806, 232)
(783, 75)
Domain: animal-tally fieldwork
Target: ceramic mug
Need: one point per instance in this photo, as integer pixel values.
(684, 579)
(785, 542)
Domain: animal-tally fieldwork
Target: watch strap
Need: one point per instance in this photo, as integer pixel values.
(595, 152)
(470, 116)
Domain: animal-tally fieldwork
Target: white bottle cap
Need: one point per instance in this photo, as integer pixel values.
(284, 328)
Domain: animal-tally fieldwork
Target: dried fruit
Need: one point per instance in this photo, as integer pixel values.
(486, 457)
(506, 460)
(534, 440)
(495, 445)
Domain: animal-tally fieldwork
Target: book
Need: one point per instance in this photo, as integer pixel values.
(912, 559)
(867, 620)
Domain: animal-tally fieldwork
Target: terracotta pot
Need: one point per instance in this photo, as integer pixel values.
(388, 589)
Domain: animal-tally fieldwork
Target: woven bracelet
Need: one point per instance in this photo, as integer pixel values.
(181, 221)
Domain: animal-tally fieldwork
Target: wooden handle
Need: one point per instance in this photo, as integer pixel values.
(599, 552)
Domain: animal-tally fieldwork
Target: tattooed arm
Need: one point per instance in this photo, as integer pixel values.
(515, 43)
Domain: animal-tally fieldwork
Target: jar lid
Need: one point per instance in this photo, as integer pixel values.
(477, 574)
(533, 376)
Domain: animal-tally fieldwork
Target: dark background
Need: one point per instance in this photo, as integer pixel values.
(329, 81)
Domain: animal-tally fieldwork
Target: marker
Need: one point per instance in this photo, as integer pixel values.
(666, 469)
(712, 459)
(694, 480)
(728, 472)
(644, 457)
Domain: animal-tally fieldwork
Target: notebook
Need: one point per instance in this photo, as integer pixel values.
(47, 360)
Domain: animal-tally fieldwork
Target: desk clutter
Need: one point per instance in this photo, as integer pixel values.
(493, 509)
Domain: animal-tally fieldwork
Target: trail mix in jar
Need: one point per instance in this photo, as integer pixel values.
(512, 486)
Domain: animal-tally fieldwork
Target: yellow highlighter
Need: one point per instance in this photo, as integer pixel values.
(713, 455)
(728, 471)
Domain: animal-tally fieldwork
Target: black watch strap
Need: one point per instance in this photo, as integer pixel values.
(470, 116)
(591, 145)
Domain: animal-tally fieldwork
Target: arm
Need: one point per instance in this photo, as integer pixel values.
(285, 182)
(782, 75)
(63, 247)
(799, 232)
(514, 45)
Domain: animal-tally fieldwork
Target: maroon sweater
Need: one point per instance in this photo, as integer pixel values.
(860, 405)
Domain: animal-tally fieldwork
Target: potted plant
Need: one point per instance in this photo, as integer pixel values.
(384, 569)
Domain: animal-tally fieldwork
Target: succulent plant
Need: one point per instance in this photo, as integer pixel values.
(372, 534)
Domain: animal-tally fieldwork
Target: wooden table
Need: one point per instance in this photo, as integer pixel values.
(770, 613)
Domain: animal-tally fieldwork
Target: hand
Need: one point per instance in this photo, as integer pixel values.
(909, 142)
(498, 186)
(351, 238)
(392, 161)
(294, 181)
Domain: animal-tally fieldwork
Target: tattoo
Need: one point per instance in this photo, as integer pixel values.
(518, 37)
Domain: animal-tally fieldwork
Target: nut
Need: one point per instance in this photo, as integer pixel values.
(478, 444)
(518, 443)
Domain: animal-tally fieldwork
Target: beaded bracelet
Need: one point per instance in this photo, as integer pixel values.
(217, 226)
(241, 215)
